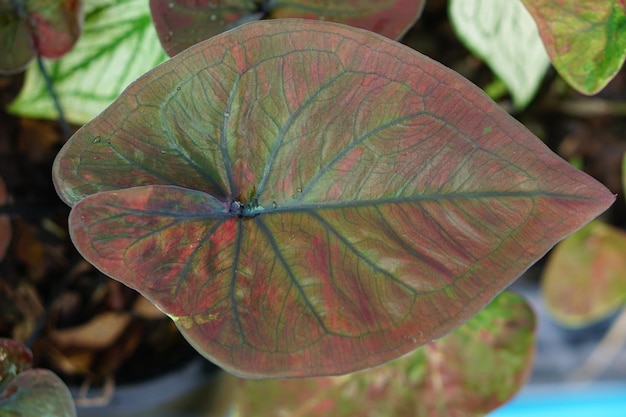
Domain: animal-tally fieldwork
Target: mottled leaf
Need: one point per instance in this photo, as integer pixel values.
(48, 28)
(585, 278)
(6, 230)
(506, 37)
(36, 393)
(467, 373)
(118, 45)
(585, 39)
(345, 198)
(14, 358)
(182, 23)
(390, 18)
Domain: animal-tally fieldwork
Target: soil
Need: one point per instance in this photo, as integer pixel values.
(46, 289)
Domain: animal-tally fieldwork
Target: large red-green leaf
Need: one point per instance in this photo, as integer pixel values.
(48, 28)
(466, 373)
(585, 278)
(586, 39)
(182, 23)
(26, 392)
(345, 199)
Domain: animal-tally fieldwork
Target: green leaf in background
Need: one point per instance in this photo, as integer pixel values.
(585, 278)
(504, 35)
(48, 28)
(26, 392)
(118, 45)
(586, 39)
(346, 199)
(36, 393)
(470, 372)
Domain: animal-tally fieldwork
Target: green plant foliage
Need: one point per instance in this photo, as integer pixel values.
(505, 36)
(344, 198)
(181, 23)
(585, 278)
(48, 28)
(469, 372)
(586, 39)
(118, 45)
(26, 392)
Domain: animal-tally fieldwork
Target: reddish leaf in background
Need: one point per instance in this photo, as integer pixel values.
(26, 392)
(390, 18)
(585, 278)
(469, 372)
(586, 39)
(48, 28)
(6, 231)
(182, 23)
(345, 199)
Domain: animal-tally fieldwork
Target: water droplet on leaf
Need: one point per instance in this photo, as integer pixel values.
(96, 139)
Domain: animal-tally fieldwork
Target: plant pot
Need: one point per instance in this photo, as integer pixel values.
(198, 389)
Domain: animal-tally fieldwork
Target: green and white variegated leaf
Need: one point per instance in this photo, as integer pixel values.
(118, 45)
(504, 35)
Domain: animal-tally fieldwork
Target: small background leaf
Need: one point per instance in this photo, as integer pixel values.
(36, 393)
(470, 372)
(585, 278)
(118, 45)
(390, 18)
(505, 36)
(586, 39)
(14, 358)
(182, 23)
(56, 25)
(16, 50)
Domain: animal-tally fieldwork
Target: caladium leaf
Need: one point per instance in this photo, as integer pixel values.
(503, 34)
(14, 358)
(48, 28)
(585, 39)
(26, 392)
(182, 23)
(36, 393)
(469, 372)
(323, 199)
(117, 46)
(585, 278)
(390, 18)
(6, 231)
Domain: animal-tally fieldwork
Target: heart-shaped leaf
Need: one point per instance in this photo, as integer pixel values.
(6, 231)
(36, 393)
(182, 23)
(506, 37)
(469, 372)
(585, 278)
(345, 198)
(48, 28)
(586, 39)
